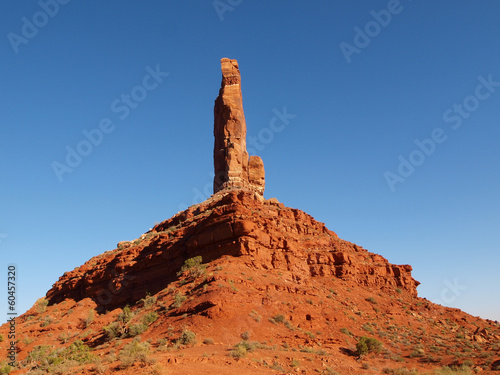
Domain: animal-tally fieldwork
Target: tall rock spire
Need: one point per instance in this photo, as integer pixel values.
(232, 166)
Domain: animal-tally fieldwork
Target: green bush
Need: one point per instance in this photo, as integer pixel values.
(44, 358)
(136, 329)
(125, 316)
(114, 330)
(241, 349)
(5, 368)
(150, 317)
(187, 337)
(134, 351)
(194, 266)
(367, 345)
(279, 318)
(148, 301)
(178, 300)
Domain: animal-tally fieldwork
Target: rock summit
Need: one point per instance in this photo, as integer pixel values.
(232, 166)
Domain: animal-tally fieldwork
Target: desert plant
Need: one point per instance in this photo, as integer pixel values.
(346, 331)
(241, 349)
(89, 319)
(148, 301)
(371, 300)
(134, 351)
(178, 300)
(187, 337)
(150, 317)
(5, 368)
(114, 330)
(208, 341)
(136, 329)
(125, 316)
(245, 335)
(255, 316)
(194, 267)
(367, 345)
(41, 305)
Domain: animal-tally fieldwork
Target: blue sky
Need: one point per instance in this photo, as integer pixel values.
(363, 83)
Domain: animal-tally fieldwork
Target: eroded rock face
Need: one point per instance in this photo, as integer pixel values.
(232, 165)
(259, 234)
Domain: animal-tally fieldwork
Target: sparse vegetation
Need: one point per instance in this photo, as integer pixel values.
(5, 368)
(371, 300)
(255, 316)
(367, 345)
(133, 352)
(187, 338)
(41, 305)
(194, 267)
(346, 331)
(178, 300)
(89, 319)
(44, 358)
(148, 301)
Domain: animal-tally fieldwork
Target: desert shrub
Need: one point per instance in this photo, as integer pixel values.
(46, 321)
(276, 366)
(134, 351)
(150, 317)
(255, 316)
(241, 349)
(371, 300)
(125, 316)
(463, 370)
(193, 266)
(245, 335)
(346, 331)
(114, 330)
(148, 301)
(56, 361)
(136, 329)
(5, 368)
(89, 319)
(1, 338)
(208, 341)
(78, 352)
(367, 345)
(178, 300)
(187, 337)
(41, 305)
(279, 318)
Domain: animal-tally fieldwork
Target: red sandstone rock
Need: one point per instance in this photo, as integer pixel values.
(265, 235)
(231, 162)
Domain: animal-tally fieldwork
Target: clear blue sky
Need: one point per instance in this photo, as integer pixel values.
(363, 88)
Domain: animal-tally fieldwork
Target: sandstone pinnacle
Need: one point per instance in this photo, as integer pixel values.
(232, 166)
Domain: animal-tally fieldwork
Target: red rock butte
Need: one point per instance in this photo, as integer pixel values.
(264, 287)
(233, 167)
